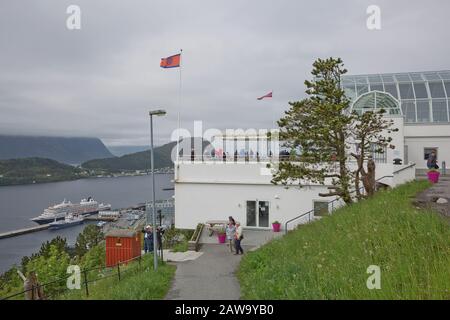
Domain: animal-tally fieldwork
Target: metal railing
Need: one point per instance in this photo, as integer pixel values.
(116, 272)
(329, 203)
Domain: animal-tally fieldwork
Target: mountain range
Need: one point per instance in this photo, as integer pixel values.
(66, 150)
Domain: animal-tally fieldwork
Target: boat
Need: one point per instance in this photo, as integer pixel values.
(69, 221)
(60, 211)
(101, 224)
(104, 207)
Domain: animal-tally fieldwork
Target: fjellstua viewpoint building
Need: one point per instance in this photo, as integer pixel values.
(422, 98)
(211, 188)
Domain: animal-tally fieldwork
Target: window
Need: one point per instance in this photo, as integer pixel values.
(377, 86)
(409, 111)
(439, 110)
(350, 90)
(406, 90)
(420, 90)
(427, 152)
(362, 89)
(320, 208)
(436, 90)
(392, 89)
(447, 87)
(423, 111)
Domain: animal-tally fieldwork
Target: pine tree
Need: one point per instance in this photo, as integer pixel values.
(318, 127)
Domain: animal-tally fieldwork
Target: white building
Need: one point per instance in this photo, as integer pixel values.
(211, 189)
(423, 100)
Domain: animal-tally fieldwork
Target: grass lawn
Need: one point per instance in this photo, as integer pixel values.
(137, 283)
(328, 259)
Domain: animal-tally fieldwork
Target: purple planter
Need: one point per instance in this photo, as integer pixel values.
(222, 238)
(433, 176)
(276, 227)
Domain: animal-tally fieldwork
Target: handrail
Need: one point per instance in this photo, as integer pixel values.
(404, 168)
(328, 203)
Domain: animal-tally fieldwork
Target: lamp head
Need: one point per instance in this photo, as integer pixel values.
(157, 113)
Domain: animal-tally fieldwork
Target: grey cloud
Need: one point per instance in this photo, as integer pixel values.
(101, 81)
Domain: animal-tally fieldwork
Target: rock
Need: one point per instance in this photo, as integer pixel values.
(441, 201)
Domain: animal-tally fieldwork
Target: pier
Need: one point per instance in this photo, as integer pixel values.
(19, 232)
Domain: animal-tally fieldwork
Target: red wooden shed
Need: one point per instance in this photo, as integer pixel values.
(122, 245)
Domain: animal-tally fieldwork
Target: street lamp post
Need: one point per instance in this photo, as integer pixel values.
(155, 243)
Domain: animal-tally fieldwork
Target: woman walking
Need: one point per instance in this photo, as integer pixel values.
(239, 235)
(230, 231)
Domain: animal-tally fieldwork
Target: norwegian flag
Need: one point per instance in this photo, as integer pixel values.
(269, 95)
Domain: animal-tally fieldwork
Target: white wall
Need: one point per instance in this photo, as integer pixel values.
(198, 202)
(416, 145)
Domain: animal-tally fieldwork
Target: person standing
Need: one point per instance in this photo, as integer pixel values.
(230, 231)
(148, 239)
(239, 235)
(432, 160)
(192, 155)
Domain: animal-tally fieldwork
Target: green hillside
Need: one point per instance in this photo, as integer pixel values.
(36, 170)
(328, 259)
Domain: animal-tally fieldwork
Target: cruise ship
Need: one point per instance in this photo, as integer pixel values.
(60, 211)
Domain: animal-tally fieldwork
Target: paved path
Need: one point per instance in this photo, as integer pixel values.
(439, 191)
(209, 277)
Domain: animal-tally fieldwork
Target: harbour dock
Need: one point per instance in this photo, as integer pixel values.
(19, 232)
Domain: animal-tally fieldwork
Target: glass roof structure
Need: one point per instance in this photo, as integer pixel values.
(424, 97)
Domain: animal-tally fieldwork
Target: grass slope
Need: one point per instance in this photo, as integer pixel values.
(328, 259)
(137, 283)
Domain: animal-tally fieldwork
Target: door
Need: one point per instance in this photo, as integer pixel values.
(258, 214)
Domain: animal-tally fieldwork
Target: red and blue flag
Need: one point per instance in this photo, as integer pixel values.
(171, 62)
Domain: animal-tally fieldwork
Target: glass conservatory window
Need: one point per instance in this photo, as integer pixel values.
(420, 90)
(387, 78)
(436, 90)
(392, 89)
(377, 86)
(416, 76)
(445, 75)
(401, 77)
(439, 110)
(350, 91)
(447, 88)
(423, 111)
(406, 90)
(432, 76)
(374, 78)
(409, 111)
(377, 100)
(362, 89)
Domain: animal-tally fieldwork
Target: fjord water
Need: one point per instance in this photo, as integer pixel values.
(18, 204)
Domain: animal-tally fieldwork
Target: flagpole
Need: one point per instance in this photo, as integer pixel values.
(179, 107)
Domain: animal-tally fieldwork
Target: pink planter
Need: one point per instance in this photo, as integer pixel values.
(276, 227)
(222, 238)
(433, 176)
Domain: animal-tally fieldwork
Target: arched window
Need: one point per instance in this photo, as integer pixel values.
(376, 100)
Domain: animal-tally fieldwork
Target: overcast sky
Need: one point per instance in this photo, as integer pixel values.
(101, 80)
